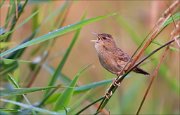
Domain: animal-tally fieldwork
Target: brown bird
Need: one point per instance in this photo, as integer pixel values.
(110, 56)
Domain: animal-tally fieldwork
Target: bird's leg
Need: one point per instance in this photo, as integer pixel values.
(116, 79)
(108, 94)
(115, 83)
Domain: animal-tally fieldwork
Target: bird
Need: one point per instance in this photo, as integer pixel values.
(110, 56)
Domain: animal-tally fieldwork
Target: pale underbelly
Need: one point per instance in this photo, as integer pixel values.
(110, 64)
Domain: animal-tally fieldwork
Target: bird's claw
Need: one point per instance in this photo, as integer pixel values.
(115, 83)
(108, 95)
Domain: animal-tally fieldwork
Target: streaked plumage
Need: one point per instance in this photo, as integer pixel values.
(110, 56)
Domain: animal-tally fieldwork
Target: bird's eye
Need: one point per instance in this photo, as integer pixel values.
(104, 38)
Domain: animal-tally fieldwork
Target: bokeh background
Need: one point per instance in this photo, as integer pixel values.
(140, 16)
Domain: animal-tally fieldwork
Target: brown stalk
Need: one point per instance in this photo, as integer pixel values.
(156, 30)
(174, 35)
(153, 77)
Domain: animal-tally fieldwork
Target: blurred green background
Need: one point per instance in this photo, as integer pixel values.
(132, 23)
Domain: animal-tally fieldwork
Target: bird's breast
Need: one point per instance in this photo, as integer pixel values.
(109, 62)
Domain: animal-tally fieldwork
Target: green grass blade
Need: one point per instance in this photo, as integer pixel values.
(54, 24)
(173, 18)
(67, 94)
(126, 26)
(10, 77)
(78, 102)
(15, 18)
(63, 61)
(9, 110)
(20, 25)
(92, 85)
(5, 44)
(13, 81)
(20, 91)
(55, 33)
(32, 107)
(7, 61)
(53, 98)
(170, 47)
(80, 89)
(63, 78)
(35, 21)
(8, 16)
(7, 68)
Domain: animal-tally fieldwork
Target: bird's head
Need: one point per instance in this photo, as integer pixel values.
(104, 41)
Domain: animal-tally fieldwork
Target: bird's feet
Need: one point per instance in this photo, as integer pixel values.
(115, 83)
(108, 95)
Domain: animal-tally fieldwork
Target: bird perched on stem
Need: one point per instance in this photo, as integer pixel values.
(110, 56)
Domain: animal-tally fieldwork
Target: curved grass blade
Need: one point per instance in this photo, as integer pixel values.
(92, 85)
(163, 69)
(8, 110)
(67, 94)
(7, 61)
(78, 102)
(11, 13)
(33, 108)
(20, 25)
(80, 89)
(10, 77)
(173, 18)
(53, 98)
(15, 18)
(63, 61)
(44, 101)
(170, 47)
(65, 79)
(19, 52)
(55, 33)
(20, 91)
(6, 68)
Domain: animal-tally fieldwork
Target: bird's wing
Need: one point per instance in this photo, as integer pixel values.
(121, 57)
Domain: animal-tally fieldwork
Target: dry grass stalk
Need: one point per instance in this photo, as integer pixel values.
(174, 35)
(158, 27)
(153, 77)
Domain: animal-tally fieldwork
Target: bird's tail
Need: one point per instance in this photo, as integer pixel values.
(141, 71)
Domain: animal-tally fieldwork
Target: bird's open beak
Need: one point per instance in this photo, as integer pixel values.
(96, 34)
(93, 40)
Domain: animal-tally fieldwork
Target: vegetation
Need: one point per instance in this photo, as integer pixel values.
(49, 66)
